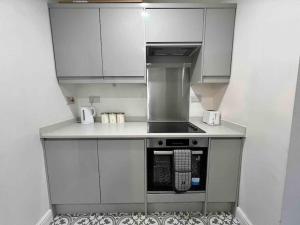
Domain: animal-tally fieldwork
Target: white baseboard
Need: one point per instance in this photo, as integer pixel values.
(241, 216)
(46, 218)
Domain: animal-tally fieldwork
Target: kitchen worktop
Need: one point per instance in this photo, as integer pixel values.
(72, 129)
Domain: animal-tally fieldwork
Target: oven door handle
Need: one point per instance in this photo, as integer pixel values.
(197, 152)
(163, 152)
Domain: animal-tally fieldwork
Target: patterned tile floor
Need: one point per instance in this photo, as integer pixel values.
(159, 218)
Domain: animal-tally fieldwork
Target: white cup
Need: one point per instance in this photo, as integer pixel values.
(104, 118)
(112, 118)
(120, 118)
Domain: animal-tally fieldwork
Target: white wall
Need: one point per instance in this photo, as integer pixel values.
(128, 98)
(261, 96)
(132, 98)
(291, 200)
(30, 98)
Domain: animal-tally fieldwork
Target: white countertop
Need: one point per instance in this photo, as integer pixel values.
(135, 130)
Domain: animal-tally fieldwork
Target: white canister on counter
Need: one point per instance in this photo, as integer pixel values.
(104, 118)
(120, 117)
(112, 118)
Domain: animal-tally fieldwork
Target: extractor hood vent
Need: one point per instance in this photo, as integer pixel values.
(172, 49)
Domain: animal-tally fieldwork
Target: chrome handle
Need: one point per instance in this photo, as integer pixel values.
(163, 152)
(197, 152)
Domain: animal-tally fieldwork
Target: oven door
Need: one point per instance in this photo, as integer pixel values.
(160, 169)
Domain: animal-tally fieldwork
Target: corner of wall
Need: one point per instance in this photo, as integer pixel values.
(46, 218)
(242, 217)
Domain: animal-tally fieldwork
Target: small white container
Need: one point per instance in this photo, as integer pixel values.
(112, 118)
(212, 117)
(120, 117)
(104, 118)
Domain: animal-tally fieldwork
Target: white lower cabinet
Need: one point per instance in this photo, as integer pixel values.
(112, 171)
(122, 171)
(72, 167)
(224, 168)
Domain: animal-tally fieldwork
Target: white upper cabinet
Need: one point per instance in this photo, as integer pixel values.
(217, 51)
(123, 42)
(95, 44)
(174, 25)
(76, 41)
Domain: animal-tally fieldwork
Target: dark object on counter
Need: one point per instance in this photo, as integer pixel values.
(173, 127)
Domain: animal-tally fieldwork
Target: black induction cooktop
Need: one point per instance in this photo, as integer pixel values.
(173, 127)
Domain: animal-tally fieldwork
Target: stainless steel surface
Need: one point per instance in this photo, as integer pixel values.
(172, 49)
(163, 152)
(168, 89)
(161, 143)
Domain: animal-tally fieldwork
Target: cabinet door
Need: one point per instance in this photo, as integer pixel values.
(123, 42)
(121, 171)
(76, 40)
(218, 42)
(224, 168)
(174, 25)
(73, 174)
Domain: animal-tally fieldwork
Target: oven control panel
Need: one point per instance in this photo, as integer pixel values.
(176, 142)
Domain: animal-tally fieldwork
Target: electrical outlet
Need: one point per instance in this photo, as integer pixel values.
(70, 100)
(94, 99)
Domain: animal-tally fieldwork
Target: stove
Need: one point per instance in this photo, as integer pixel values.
(173, 127)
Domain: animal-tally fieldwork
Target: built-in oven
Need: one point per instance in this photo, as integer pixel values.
(176, 164)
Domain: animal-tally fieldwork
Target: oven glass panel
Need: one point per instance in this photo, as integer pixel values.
(160, 169)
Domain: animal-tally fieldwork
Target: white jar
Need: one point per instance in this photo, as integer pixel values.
(104, 118)
(112, 118)
(120, 117)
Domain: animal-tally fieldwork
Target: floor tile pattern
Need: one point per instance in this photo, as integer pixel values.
(158, 218)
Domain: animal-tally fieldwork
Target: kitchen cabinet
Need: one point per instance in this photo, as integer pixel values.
(123, 42)
(216, 52)
(224, 167)
(218, 42)
(122, 171)
(174, 25)
(76, 42)
(108, 44)
(72, 168)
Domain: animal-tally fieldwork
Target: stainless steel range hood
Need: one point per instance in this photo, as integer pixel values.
(172, 49)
